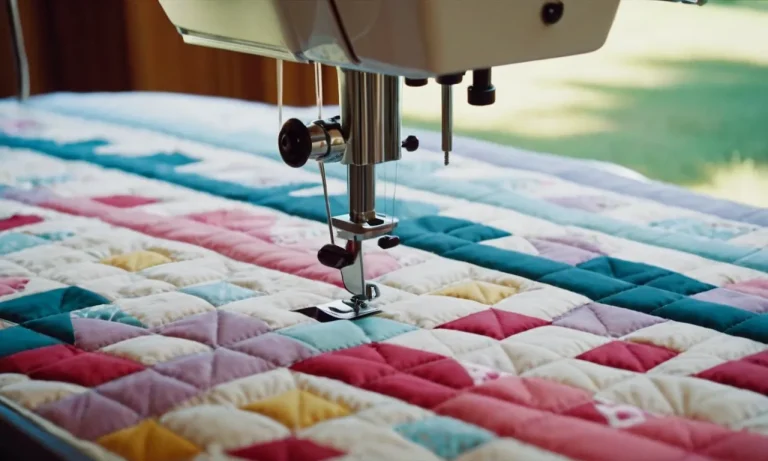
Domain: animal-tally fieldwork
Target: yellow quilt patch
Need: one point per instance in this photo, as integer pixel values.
(148, 441)
(482, 292)
(298, 409)
(137, 260)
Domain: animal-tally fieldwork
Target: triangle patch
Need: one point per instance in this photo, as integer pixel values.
(93, 334)
(605, 320)
(207, 370)
(298, 409)
(215, 328)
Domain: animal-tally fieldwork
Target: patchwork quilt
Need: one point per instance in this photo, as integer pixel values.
(154, 251)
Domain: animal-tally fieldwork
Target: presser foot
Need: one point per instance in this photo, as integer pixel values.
(350, 262)
(350, 309)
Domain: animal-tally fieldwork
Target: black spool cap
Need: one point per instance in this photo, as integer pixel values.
(410, 144)
(389, 241)
(481, 92)
(415, 82)
(335, 257)
(294, 143)
(450, 79)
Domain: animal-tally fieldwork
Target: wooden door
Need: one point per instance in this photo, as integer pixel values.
(130, 45)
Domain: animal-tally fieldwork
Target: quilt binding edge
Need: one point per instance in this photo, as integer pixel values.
(89, 449)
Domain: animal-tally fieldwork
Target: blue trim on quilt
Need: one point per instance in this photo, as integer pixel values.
(593, 177)
(278, 198)
(33, 431)
(577, 171)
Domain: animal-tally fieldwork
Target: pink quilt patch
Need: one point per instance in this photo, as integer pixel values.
(757, 287)
(10, 285)
(256, 225)
(125, 201)
(19, 220)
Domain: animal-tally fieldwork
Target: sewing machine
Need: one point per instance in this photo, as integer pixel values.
(377, 45)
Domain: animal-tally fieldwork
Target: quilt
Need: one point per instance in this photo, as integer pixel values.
(154, 251)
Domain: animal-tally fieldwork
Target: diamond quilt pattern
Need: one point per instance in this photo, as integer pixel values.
(149, 309)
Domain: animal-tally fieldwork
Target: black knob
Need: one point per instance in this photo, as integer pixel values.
(450, 79)
(411, 143)
(295, 143)
(389, 241)
(416, 81)
(335, 257)
(552, 12)
(481, 92)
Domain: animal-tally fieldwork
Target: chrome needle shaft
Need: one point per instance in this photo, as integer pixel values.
(447, 120)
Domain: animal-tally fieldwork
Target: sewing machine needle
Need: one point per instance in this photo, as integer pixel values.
(447, 120)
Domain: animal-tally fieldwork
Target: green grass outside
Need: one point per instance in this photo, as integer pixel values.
(698, 118)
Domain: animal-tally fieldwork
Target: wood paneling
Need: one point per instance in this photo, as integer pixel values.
(124, 45)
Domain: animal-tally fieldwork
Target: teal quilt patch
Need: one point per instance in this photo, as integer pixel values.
(220, 293)
(590, 284)
(380, 329)
(11, 242)
(709, 315)
(56, 236)
(720, 230)
(441, 226)
(19, 339)
(326, 337)
(512, 262)
(39, 305)
(642, 299)
(632, 272)
(754, 328)
(678, 283)
(109, 313)
(645, 274)
(446, 437)
(58, 326)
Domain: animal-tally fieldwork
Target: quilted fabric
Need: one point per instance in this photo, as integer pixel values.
(152, 268)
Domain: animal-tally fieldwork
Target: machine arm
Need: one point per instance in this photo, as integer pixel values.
(376, 45)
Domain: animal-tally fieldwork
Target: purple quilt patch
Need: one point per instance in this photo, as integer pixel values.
(276, 349)
(89, 415)
(210, 369)
(215, 328)
(605, 320)
(148, 393)
(734, 298)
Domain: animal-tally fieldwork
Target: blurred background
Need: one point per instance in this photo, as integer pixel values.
(679, 94)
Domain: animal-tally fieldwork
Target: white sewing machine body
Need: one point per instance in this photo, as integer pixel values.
(408, 38)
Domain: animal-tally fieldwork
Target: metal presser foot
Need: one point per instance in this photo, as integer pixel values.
(360, 224)
(365, 135)
(351, 309)
(349, 260)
